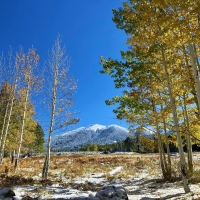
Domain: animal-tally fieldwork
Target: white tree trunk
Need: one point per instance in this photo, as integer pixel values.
(8, 121)
(47, 158)
(167, 144)
(189, 143)
(176, 124)
(160, 146)
(4, 123)
(194, 91)
(195, 73)
(22, 130)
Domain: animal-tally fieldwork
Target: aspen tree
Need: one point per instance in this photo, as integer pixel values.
(191, 79)
(9, 107)
(159, 25)
(167, 142)
(31, 60)
(5, 90)
(176, 126)
(161, 151)
(189, 143)
(8, 95)
(62, 87)
(172, 101)
(196, 75)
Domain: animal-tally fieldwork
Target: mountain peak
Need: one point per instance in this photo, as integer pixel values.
(96, 127)
(93, 134)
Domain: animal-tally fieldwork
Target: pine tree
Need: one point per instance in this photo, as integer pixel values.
(38, 144)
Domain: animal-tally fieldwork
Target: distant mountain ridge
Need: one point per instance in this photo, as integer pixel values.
(95, 133)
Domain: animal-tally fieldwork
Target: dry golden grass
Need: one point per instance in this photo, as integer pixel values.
(69, 167)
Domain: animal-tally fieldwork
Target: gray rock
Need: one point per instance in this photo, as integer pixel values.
(91, 195)
(16, 198)
(6, 193)
(112, 192)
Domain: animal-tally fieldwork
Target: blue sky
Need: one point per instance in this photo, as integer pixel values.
(87, 31)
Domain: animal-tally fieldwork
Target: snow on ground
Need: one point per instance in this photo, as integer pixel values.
(141, 188)
(51, 192)
(114, 171)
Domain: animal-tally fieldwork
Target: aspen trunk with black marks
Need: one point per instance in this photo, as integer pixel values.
(47, 157)
(194, 91)
(176, 126)
(46, 165)
(196, 72)
(196, 56)
(189, 143)
(53, 105)
(160, 146)
(22, 130)
(167, 146)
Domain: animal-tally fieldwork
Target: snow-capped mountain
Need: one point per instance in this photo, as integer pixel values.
(96, 133)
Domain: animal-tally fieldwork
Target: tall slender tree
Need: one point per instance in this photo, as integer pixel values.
(62, 87)
(30, 63)
(10, 98)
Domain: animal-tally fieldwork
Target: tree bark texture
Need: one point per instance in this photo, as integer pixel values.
(176, 126)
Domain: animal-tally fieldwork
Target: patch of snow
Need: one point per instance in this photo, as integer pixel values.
(96, 127)
(137, 189)
(117, 169)
(71, 132)
(118, 127)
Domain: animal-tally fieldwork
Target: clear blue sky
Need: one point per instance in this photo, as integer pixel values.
(87, 30)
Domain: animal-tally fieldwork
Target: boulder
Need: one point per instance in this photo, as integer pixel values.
(112, 192)
(6, 193)
(16, 198)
